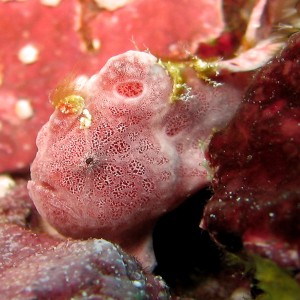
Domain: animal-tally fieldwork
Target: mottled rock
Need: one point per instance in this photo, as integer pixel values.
(94, 269)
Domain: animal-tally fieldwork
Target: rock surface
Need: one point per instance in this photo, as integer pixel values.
(256, 161)
(36, 265)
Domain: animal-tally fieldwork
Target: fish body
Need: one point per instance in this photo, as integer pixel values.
(117, 153)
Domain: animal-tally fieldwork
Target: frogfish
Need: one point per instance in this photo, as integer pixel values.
(118, 151)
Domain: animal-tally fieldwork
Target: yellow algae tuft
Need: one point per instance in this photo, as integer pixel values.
(203, 69)
(86, 119)
(68, 96)
(174, 70)
(70, 104)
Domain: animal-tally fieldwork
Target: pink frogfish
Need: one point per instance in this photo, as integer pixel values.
(117, 153)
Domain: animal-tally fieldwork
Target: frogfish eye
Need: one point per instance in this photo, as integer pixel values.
(89, 160)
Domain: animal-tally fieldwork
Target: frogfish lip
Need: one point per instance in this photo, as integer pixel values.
(40, 186)
(47, 186)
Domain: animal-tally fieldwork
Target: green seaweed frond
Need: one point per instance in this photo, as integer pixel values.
(276, 283)
(241, 260)
(175, 70)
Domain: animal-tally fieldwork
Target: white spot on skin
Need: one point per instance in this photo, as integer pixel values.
(23, 109)
(112, 4)
(6, 184)
(114, 19)
(20, 165)
(86, 119)
(28, 54)
(27, 147)
(96, 44)
(80, 81)
(51, 3)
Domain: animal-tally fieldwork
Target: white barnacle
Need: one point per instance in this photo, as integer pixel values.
(86, 119)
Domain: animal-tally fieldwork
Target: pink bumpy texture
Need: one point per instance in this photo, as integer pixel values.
(137, 159)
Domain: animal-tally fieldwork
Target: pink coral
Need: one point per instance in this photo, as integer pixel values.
(116, 153)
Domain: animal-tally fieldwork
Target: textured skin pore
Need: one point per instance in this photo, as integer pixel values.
(137, 159)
